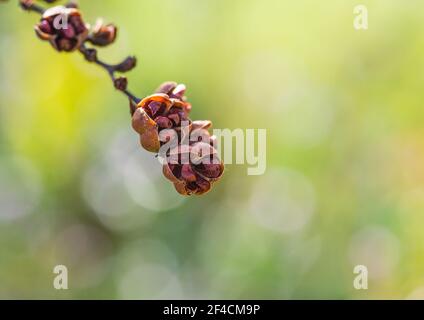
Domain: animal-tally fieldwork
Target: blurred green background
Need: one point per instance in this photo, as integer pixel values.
(344, 182)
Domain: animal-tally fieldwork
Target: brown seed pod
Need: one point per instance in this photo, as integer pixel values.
(192, 179)
(192, 165)
(159, 112)
(148, 130)
(103, 34)
(63, 27)
(193, 168)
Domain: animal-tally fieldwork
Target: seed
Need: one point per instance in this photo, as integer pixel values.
(163, 122)
(68, 32)
(45, 27)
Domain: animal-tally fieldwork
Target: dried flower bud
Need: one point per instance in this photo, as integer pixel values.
(63, 27)
(71, 4)
(26, 4)
(90, 54)
(128, 64)
(121, 83)
(103, 34)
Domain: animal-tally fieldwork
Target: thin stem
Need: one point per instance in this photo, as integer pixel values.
(120, 83)
(124, 91)
(28, 5)
(91, 56)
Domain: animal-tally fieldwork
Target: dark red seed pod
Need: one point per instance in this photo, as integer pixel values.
(187, 173)
(163, 122)
(45, 27)
(68, 32)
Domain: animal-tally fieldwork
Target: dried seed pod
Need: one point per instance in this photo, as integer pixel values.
(121, 83)
(26, 4)
(165, 113)
(192, 179)
(148, 130)
(63, 27)
(103, 34)
(192, 165)
(90, 54)
(128, 64)
(197, 174)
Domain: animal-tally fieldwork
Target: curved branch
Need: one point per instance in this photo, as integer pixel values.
(120, 83)
(90, 54)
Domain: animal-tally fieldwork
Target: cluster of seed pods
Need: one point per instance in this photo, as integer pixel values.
(65, 29)
(186, 148)
(189, 155)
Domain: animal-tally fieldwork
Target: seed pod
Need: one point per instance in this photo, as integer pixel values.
(25, 4)
(63, 27)
(121, 83)
(148, 130)
(199, 173)
(103, 34)
(192, 165)
(154, 117)
(189, 179)
(128, 64)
